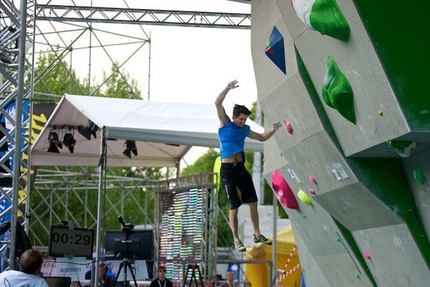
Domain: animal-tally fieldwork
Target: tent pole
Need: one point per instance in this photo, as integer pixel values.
(273, 268)
(100, 204)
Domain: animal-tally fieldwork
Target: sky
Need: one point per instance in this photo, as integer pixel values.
(186, 64)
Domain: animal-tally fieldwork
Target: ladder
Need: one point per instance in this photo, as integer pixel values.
(191, 272)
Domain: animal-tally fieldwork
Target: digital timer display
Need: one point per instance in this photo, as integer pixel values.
(77, 242)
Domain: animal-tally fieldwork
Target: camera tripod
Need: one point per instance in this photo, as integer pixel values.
(126, 262)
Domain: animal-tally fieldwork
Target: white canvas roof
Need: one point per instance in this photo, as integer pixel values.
(164, 132)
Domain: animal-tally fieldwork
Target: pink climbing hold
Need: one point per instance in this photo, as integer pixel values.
(312, 179)
(367, 255)
(288, 127)
(283, 191)
(311, 191)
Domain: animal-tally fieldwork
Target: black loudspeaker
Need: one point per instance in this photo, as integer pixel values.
(58, 281)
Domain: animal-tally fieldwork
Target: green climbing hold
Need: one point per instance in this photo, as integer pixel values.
(403, 148)
(419, 175)
(337, 91)
(327, 18)
(400, 145)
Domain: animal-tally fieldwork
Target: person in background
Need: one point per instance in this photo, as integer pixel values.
(106, 276)
(161, 280)
(30, 264)
(230, 280)
(234, 176)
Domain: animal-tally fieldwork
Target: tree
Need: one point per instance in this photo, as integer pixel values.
(53, 78)
(205, 163)
(119, 85)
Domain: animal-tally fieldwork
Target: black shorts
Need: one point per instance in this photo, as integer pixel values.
(234, 176)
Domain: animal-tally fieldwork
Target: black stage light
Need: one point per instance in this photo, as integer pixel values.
(130, 148)
(54, 143)
(85, 132)
(91, 129)
(69, 141)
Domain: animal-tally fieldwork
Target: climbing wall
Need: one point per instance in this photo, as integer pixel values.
(347, 80)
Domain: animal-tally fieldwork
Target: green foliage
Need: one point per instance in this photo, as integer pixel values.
(119, 85)
(54, 78)
(203, 164)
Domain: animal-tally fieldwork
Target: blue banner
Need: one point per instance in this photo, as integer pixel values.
(7, 183)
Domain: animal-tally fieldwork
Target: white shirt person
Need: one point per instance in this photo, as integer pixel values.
(30, 265)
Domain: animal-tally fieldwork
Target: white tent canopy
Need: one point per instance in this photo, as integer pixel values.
(164, 132)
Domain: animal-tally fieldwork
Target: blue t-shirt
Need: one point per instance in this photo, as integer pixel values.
(232, 139)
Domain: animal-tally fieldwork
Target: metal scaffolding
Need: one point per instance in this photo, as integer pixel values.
(16, 40)
(35, 28)
(142, 16)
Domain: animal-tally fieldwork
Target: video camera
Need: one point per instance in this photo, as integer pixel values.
(126, 227)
